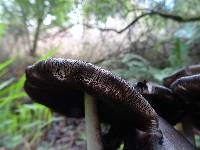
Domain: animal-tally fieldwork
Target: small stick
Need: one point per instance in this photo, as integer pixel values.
(92, 124)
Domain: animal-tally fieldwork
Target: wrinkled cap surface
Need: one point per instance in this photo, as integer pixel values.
(187, 88)
(162, 100)
(60, 84)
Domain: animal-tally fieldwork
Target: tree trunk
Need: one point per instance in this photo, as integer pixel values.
(36, 37)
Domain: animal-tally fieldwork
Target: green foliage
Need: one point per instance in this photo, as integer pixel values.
(102, 9)
(130, 66)
(50, 53)
(20, 120)
(191, 32)
(197, 140)
(30, 17)
(179, 54)
(2, 30)
(187, 8)
(60, 9)
(4, 65)
(137, 67)
(23, 12)
(177, 59)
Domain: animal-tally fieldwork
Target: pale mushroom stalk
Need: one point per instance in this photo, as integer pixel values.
(93, 129)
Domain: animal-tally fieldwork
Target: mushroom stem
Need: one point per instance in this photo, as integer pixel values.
(92, 124)
(188, 129)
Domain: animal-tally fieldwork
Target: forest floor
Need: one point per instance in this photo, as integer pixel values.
(68, 133)
(62, 134)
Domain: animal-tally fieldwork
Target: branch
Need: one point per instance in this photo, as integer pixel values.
(123, 29)
(63, 29)
(176, 18)
(115, 54)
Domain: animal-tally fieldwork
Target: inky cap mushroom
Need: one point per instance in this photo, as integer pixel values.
(162, 100)
(186, 71)
(172, 140)
(187, 88)
(61, 83)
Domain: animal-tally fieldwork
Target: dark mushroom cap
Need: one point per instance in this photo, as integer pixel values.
(155, 90)
(187, 88)
(186, 71)
(60, 84)
(172, 140)
(162, 100)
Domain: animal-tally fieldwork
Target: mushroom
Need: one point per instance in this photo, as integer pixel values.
(185, 86)
(172, 140)
(162, 100)
(188, 90)
(186, 71)
(60, 84)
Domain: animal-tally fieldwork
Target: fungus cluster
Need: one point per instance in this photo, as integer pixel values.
(61, 84)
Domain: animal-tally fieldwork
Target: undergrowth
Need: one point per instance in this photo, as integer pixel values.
(21, 120)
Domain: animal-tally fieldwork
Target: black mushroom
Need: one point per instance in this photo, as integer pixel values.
(162, 99)
(186, 71)
(187, 89)
(185, 84)
(60, 84)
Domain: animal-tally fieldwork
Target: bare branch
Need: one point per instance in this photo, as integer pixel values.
(176, 18)
(63, 29)
(122, 30)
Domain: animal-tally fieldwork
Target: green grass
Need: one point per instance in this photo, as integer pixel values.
(21, 122)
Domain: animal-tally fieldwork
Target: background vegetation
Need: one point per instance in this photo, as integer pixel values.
(136, 39)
